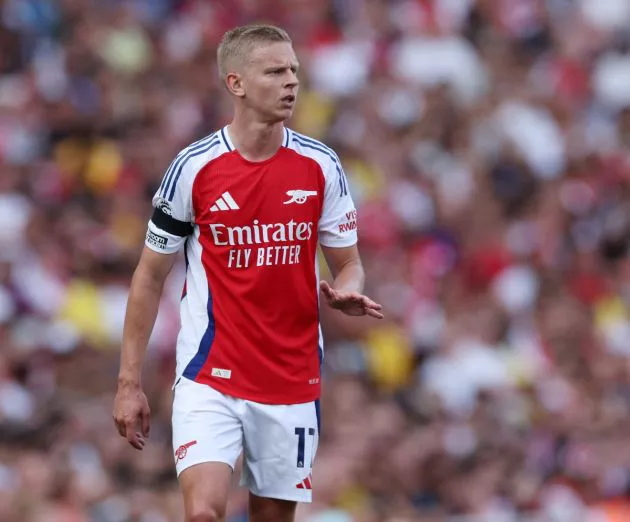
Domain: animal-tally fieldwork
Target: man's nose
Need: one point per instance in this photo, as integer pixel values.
(292, 80)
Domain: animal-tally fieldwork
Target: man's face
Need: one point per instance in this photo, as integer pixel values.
(269, 80)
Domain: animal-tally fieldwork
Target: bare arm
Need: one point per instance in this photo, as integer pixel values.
(345, 294)
(131, 408)
(142, 308)
(346, 268)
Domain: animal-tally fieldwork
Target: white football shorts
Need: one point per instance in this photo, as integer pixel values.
(278, 442)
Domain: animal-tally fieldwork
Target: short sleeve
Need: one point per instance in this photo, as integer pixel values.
(171, 221)
(338, 222)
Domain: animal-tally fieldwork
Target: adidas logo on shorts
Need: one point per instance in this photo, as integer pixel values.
(306, 483)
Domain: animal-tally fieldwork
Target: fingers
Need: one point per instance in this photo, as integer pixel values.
(134, 437)
(373, 313)
(327, 290)
(372, 308)
(127, 428)
(368, 303)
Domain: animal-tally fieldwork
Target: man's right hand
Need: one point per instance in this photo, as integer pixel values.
(132, 414)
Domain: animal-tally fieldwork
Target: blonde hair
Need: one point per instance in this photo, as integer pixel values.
(237, 42)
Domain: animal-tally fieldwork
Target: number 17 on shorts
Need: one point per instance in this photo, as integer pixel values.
(301, 446)
(280, 447)
(302, 455)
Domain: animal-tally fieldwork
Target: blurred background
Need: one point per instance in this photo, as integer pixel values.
(486, 143)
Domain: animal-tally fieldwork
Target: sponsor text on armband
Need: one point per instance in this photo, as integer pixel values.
(156, 240)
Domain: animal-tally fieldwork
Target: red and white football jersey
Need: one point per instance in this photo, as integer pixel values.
(250, 305)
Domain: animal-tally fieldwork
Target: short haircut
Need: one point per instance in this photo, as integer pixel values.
(237, 42)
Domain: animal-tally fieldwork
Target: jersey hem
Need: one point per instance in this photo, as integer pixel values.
(260, 399)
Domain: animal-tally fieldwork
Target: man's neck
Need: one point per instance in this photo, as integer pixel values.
(256, 141)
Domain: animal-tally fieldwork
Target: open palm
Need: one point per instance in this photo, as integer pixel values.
(350, 303)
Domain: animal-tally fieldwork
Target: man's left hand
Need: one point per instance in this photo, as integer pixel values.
(350, 303)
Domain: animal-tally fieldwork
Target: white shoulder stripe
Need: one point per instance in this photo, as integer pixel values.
(310, 143)
(167, 191)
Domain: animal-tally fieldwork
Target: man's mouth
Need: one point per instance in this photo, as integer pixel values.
(289, 98)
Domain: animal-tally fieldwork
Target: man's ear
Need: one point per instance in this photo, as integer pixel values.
(234, 84)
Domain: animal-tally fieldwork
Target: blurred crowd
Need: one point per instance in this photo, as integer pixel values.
(487, 147)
